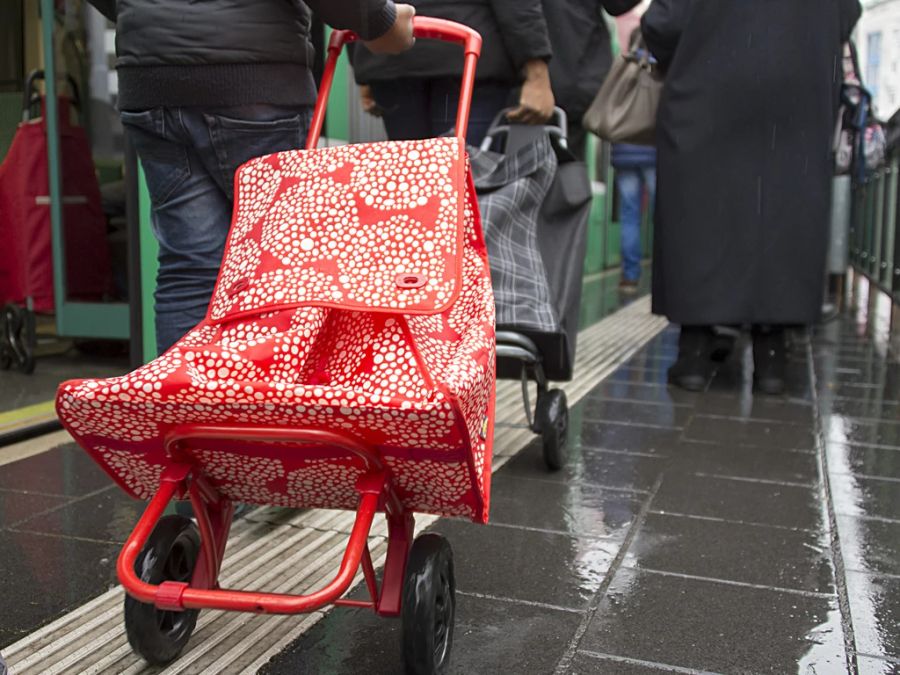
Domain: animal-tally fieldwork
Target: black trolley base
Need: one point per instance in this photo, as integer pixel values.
(550, 417)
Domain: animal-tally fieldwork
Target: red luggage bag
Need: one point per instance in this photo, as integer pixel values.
(26, 258)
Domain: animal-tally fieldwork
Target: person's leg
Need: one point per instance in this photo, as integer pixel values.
(190, 216)
(576, 139)
(648, 175)
(692, 369)
(405, 108)
(488, 99)
(225, 138)
(189, 159)
(629, 185)
(769, 358)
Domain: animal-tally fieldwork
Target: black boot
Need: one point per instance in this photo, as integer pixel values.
(692, 369)
(769, 359)
(724, 338)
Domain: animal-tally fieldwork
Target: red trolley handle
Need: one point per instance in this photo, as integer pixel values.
(423, 27)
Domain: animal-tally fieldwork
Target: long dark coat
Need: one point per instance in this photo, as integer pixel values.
(744, 138)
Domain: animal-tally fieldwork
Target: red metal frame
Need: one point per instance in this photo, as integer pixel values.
(214, 513)
(423, 27)
(182, 478)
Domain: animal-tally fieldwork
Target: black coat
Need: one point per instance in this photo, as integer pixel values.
(512, 31)
(582, 49)
(744, 137)
(226, 52)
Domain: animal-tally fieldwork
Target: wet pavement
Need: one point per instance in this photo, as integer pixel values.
(57, 362)
(691, 532)
(711, 532)
(62, 524)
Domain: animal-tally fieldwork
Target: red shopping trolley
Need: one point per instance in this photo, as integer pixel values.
(26, 267)
(346, 361)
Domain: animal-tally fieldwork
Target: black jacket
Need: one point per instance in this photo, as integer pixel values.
(582, 49)
(513, 32)
(226, 52)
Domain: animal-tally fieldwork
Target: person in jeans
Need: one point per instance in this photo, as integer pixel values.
(203, 88)
(416, 93)
(635, 167)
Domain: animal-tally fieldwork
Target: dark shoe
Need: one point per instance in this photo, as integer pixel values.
(628, 286)
(769, 359)
(692, 369)
(723, 341)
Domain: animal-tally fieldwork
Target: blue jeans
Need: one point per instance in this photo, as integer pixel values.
(631, 183)
(424, 108)
(189, 158)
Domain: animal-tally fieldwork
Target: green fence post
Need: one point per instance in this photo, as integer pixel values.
(149, 267)
(53, 150)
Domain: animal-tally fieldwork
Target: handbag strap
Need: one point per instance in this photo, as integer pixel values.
(638, 52)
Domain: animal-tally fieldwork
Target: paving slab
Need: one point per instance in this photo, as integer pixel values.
(875, 609)
(741, 500)
(706, 625)
(751, 554)
(34, 589)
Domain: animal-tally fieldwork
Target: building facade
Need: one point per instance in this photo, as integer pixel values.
(878, 42)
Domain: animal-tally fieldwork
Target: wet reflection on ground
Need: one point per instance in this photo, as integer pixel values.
(688, 531)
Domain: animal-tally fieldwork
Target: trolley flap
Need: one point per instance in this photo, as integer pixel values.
(368, 227)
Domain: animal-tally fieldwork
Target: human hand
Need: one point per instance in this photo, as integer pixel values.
(399, 37)
(368, 102)
(536, 100)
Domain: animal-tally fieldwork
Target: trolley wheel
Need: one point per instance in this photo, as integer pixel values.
(170, 555)
(18, 338)
(552, 417)
(429, 606)
(27, 341)
(6, 353)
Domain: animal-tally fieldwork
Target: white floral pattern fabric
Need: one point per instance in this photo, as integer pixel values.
(354, 297)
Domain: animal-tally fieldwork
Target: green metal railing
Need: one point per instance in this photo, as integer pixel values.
(875, 215)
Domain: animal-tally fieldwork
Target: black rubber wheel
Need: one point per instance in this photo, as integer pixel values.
(6, 353)
(19, 337)
(170, 555)
(429, 606)
(27, 341)
(552, 417)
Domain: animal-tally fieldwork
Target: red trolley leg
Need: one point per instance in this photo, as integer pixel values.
(401, 526)
(214, 516)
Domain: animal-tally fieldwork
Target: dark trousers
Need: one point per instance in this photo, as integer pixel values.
(423, 108)
(189, 158)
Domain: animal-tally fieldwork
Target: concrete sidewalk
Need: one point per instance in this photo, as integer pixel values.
(713, 532)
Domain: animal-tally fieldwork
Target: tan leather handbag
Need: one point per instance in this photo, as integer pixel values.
(624, 110)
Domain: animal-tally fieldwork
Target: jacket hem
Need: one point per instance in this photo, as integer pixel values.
(215, 85)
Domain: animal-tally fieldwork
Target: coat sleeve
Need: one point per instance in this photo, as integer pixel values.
(850, 11)
(367, 18)
(662, 26)
(523, 29)
(619, 7)
(106, 7)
